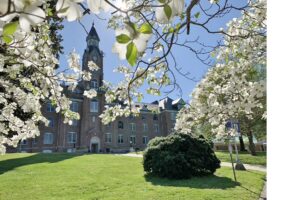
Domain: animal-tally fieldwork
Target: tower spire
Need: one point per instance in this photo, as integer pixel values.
(93, 39)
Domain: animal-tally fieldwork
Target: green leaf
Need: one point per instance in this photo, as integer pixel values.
(123, 38)
(146, 28)
(10, 28)
(197, 15)
(131, 53)
(168, 11)
(7, 39)
(162, 1)
(133, 26)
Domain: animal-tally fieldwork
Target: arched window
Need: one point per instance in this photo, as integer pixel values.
(48, 138)
(94, 84)
(94, 106)
(120, 125)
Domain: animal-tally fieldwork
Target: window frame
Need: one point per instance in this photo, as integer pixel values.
(120, 125)
(146, 140)
(120, 139)
(47, 134)
(156, 128)
(93, 108)
(108, 139)
(72, 138)
(94, 84)
(50, 107)
(145, 127)
(74, 106)
(131, 137)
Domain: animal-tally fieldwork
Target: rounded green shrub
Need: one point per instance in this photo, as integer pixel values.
(180, 156)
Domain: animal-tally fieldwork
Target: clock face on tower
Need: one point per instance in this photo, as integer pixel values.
(94, 58)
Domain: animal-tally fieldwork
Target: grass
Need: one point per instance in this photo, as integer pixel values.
(245, 157)
(96, 176)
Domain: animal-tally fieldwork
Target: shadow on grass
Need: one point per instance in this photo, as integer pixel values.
(205, 182)
(11, 164)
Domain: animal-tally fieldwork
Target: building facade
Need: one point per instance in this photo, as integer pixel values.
(89, 134)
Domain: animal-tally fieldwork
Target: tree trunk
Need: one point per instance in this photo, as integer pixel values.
(251, 143)
(242, 144)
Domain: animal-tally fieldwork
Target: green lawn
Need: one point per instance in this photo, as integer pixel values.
(260, 159)
(245, 157)
(74, 176)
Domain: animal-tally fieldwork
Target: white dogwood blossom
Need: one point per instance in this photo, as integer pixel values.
(229, 88)
(90, 93)
(166, 12)
(130, 34)
(97, 5)
(69, 9)
(29, 12)
(145, 33)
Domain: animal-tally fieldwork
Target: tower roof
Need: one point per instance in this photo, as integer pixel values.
(93, 33)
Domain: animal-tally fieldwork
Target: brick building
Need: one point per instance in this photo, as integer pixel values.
(88, 134)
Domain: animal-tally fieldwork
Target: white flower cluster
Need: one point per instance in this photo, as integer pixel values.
(229, 89)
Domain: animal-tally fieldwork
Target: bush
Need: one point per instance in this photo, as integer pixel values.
(180, 156)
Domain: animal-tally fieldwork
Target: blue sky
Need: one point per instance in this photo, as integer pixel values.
(74, 37)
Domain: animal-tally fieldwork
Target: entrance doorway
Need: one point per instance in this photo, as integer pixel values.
(94, 148)
(95, 144)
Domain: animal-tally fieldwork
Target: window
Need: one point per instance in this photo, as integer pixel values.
(143, 117)
(48, 138)
(120, 139)
(108, 126)
(132, 139)
(72, 138)
(145, 127)
(50, 108)
(93, 118)
(24, 142)
(145, 139)
(108, 137)
(94, 84)
(156, 128)
(94, 106)
(155, 117)
(173, 116)
(132, 127)
(131, 117)
(34, 141)
(74, 106)
(120, 125)
(51, 122)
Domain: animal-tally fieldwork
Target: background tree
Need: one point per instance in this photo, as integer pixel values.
(233, 89)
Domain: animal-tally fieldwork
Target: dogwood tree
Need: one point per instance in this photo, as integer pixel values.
(234, 89)
(146, 32)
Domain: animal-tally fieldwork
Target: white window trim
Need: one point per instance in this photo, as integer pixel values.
(46, 142)
(156, 128)
(145, 127)
(146, 139)
(120, 136)
(132, 136)
(94, 108)
(72, 142)
(109, 138)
